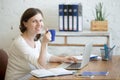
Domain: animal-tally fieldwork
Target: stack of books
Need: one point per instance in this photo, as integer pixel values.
(70, 17)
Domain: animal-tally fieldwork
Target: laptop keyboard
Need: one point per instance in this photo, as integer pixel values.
(74, 65)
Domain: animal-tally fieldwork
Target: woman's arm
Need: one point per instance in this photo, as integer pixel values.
(62, 59)
(42, 57)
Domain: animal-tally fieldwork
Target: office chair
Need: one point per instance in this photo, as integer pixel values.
(3, 63)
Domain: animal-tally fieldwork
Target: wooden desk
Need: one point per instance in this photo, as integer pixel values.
(113, 66)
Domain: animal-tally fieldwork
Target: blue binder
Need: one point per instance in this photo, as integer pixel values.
(75, 17)
(70, 17)
(65, 17)
(61, 17)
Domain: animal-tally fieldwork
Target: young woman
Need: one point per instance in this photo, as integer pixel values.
(27, 52)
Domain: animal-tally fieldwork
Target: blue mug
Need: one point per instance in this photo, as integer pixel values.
(53, 34)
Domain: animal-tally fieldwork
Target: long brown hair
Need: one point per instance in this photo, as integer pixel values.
(30, 12)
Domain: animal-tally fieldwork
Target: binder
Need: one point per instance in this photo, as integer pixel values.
(80, 17)
(65, 17)
(61, 17)
(75, 17)
(70, 17)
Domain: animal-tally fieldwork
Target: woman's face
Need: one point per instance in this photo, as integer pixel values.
(34, 24)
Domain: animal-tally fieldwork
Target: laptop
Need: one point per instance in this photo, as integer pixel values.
(83, 63)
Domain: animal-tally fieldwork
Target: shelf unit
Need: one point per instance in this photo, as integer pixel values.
(78, 39)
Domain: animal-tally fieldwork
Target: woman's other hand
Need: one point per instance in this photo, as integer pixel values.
(70, 59)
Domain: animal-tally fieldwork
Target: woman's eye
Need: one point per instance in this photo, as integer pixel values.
(40, 20)
(34, 21)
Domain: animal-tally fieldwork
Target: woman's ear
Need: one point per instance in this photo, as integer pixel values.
(25, 23)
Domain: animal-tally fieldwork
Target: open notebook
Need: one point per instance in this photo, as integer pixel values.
(85, 60)
(50, 72)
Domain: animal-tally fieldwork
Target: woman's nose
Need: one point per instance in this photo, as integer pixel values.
(38, 23)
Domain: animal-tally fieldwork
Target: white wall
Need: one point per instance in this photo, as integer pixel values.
(11, 11)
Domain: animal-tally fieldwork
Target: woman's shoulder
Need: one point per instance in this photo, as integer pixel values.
(18, 40)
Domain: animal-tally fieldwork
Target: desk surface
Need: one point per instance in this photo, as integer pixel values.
(113, 66)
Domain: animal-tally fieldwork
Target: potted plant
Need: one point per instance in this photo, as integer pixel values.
(100, 23)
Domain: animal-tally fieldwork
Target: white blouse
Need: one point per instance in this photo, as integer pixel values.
(22, 59)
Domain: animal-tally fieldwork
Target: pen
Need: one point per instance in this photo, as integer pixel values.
(106, 50)
(112, 48)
